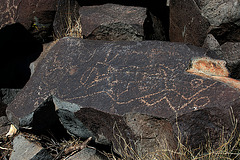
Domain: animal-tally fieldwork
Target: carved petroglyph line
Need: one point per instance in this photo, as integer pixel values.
(89, 58)
(195, 83)
(202, 105)
(123, 91)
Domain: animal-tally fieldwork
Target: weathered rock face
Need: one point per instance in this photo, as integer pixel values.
(227, 32)
(4, 123)
(147, 77)
(153, 134)
(34, 15)
(193, 126)
(192, 20)
(34, 151)
(113, 22)
(88, 154)
(156, 25)
(219, 12)
(230, 53)
(46, 48)
(186, 23)
(7, 95)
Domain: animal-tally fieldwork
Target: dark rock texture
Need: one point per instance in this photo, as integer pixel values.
(227, 32)
(24, 149)
(95, 78)
(193, 126)
(153, 134)
(219, 12)
(4, 123)
(7, 95)
(35, 15)
(115, 32)
(46, 48)
(113, 22)
(88, 154)
(192, 20)
(156, 25)
(230, 53)
(147, 77)
(186, 23)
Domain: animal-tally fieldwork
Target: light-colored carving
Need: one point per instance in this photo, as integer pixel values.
(155, 85)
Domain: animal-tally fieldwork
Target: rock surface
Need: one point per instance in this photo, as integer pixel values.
(119, 94)
(230, 53)
(7, 95)
(88, 154)
(113, 22)
(197, 18)
(187, 24)
(219, 12)
(147, 77)
(46, 48)
(36, 16)
(153, 134)
(117, 78)
(24, 149)
(192, 127)
(128, 74)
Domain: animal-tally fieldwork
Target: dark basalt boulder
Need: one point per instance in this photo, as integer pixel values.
(192, 20)
(26, 149)
(186, 23)
(147, 77)
(113, 22)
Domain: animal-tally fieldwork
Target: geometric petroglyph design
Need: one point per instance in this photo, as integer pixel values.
(119, 77)
(149, 85)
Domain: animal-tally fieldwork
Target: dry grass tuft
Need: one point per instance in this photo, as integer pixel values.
(228, 149)
(72, 24)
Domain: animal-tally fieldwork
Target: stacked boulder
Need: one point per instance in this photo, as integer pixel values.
(103, 82)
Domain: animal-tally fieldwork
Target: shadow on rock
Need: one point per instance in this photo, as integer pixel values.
(18, 49)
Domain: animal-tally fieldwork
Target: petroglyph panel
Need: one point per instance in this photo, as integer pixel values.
(118, 77)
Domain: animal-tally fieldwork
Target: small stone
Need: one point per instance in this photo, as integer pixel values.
(24, 149)
(88, 154)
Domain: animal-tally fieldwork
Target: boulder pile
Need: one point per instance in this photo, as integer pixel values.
(115, 75)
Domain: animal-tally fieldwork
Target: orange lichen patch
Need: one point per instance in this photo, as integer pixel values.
(230, 81)
(215, 69)
(209, 67)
